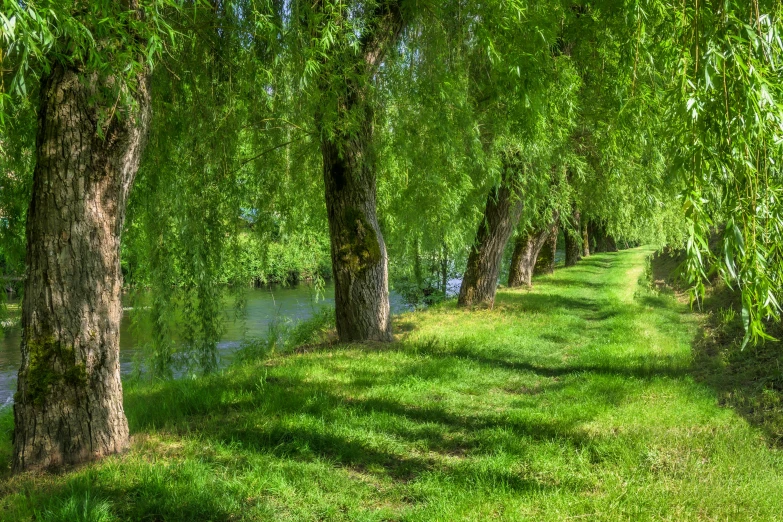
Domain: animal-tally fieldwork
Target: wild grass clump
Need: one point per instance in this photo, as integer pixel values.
(284, 335)
(79, 506)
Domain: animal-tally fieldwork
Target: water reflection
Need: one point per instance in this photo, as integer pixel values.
(263, 305)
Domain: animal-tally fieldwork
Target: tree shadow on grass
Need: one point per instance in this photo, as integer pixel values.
(158, 493)
(264, 420)
(650, 366)
(282, 412)
(573, 283)
(749, 380)
(375, 436)
(286, 395)
(288, 417)
(292, 417)
(554, 338)
(663, 302)
(602, 261)
(520, 303)
(591, 310)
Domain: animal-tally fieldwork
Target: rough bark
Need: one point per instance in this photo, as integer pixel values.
(501, 215)
(523, 260)
(573, 240)
(359, 260)
(585, 242)
(68, 407)
(545, 264)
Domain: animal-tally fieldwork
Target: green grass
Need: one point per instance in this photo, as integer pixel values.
(574, 401)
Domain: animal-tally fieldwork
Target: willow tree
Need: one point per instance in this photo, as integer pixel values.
(91, 64)
(527, 247)
(523, 98)
(573, 238)
(343, 46)
(501, 215)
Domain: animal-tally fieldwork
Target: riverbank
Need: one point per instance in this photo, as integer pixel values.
(574, 400)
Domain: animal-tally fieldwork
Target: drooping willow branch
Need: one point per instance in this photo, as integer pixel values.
(264, 153)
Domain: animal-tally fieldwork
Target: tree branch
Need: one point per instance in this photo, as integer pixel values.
(264, 153)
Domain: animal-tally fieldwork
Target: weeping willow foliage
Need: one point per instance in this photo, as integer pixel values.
(476, 90)
(618, 151)
(16, 158)
(658, 119)
(17, 153)
(729, 147)
(117, 39)
(225, 177)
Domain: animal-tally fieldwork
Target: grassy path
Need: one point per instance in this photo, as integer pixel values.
(573, 401)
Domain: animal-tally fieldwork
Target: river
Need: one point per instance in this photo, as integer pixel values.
(264, 305)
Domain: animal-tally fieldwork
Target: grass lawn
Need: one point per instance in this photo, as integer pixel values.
(578, 400)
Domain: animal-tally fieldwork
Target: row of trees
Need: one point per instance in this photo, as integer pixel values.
(456, 131)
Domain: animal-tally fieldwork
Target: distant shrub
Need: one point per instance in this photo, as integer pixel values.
(418, 295)
(286, 260)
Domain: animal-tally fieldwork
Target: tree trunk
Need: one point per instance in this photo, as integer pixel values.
(602, 242)
(444, 270)
(68, 407)
(501, 215)
(523, 261)
(597, 238)
(585, 242)
(417, 274)
(359, 260)
(545, 264)
(573, 247)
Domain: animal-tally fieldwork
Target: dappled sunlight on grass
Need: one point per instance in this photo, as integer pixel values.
(575, 398)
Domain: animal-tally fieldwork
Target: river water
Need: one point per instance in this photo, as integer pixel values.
(263, 305)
